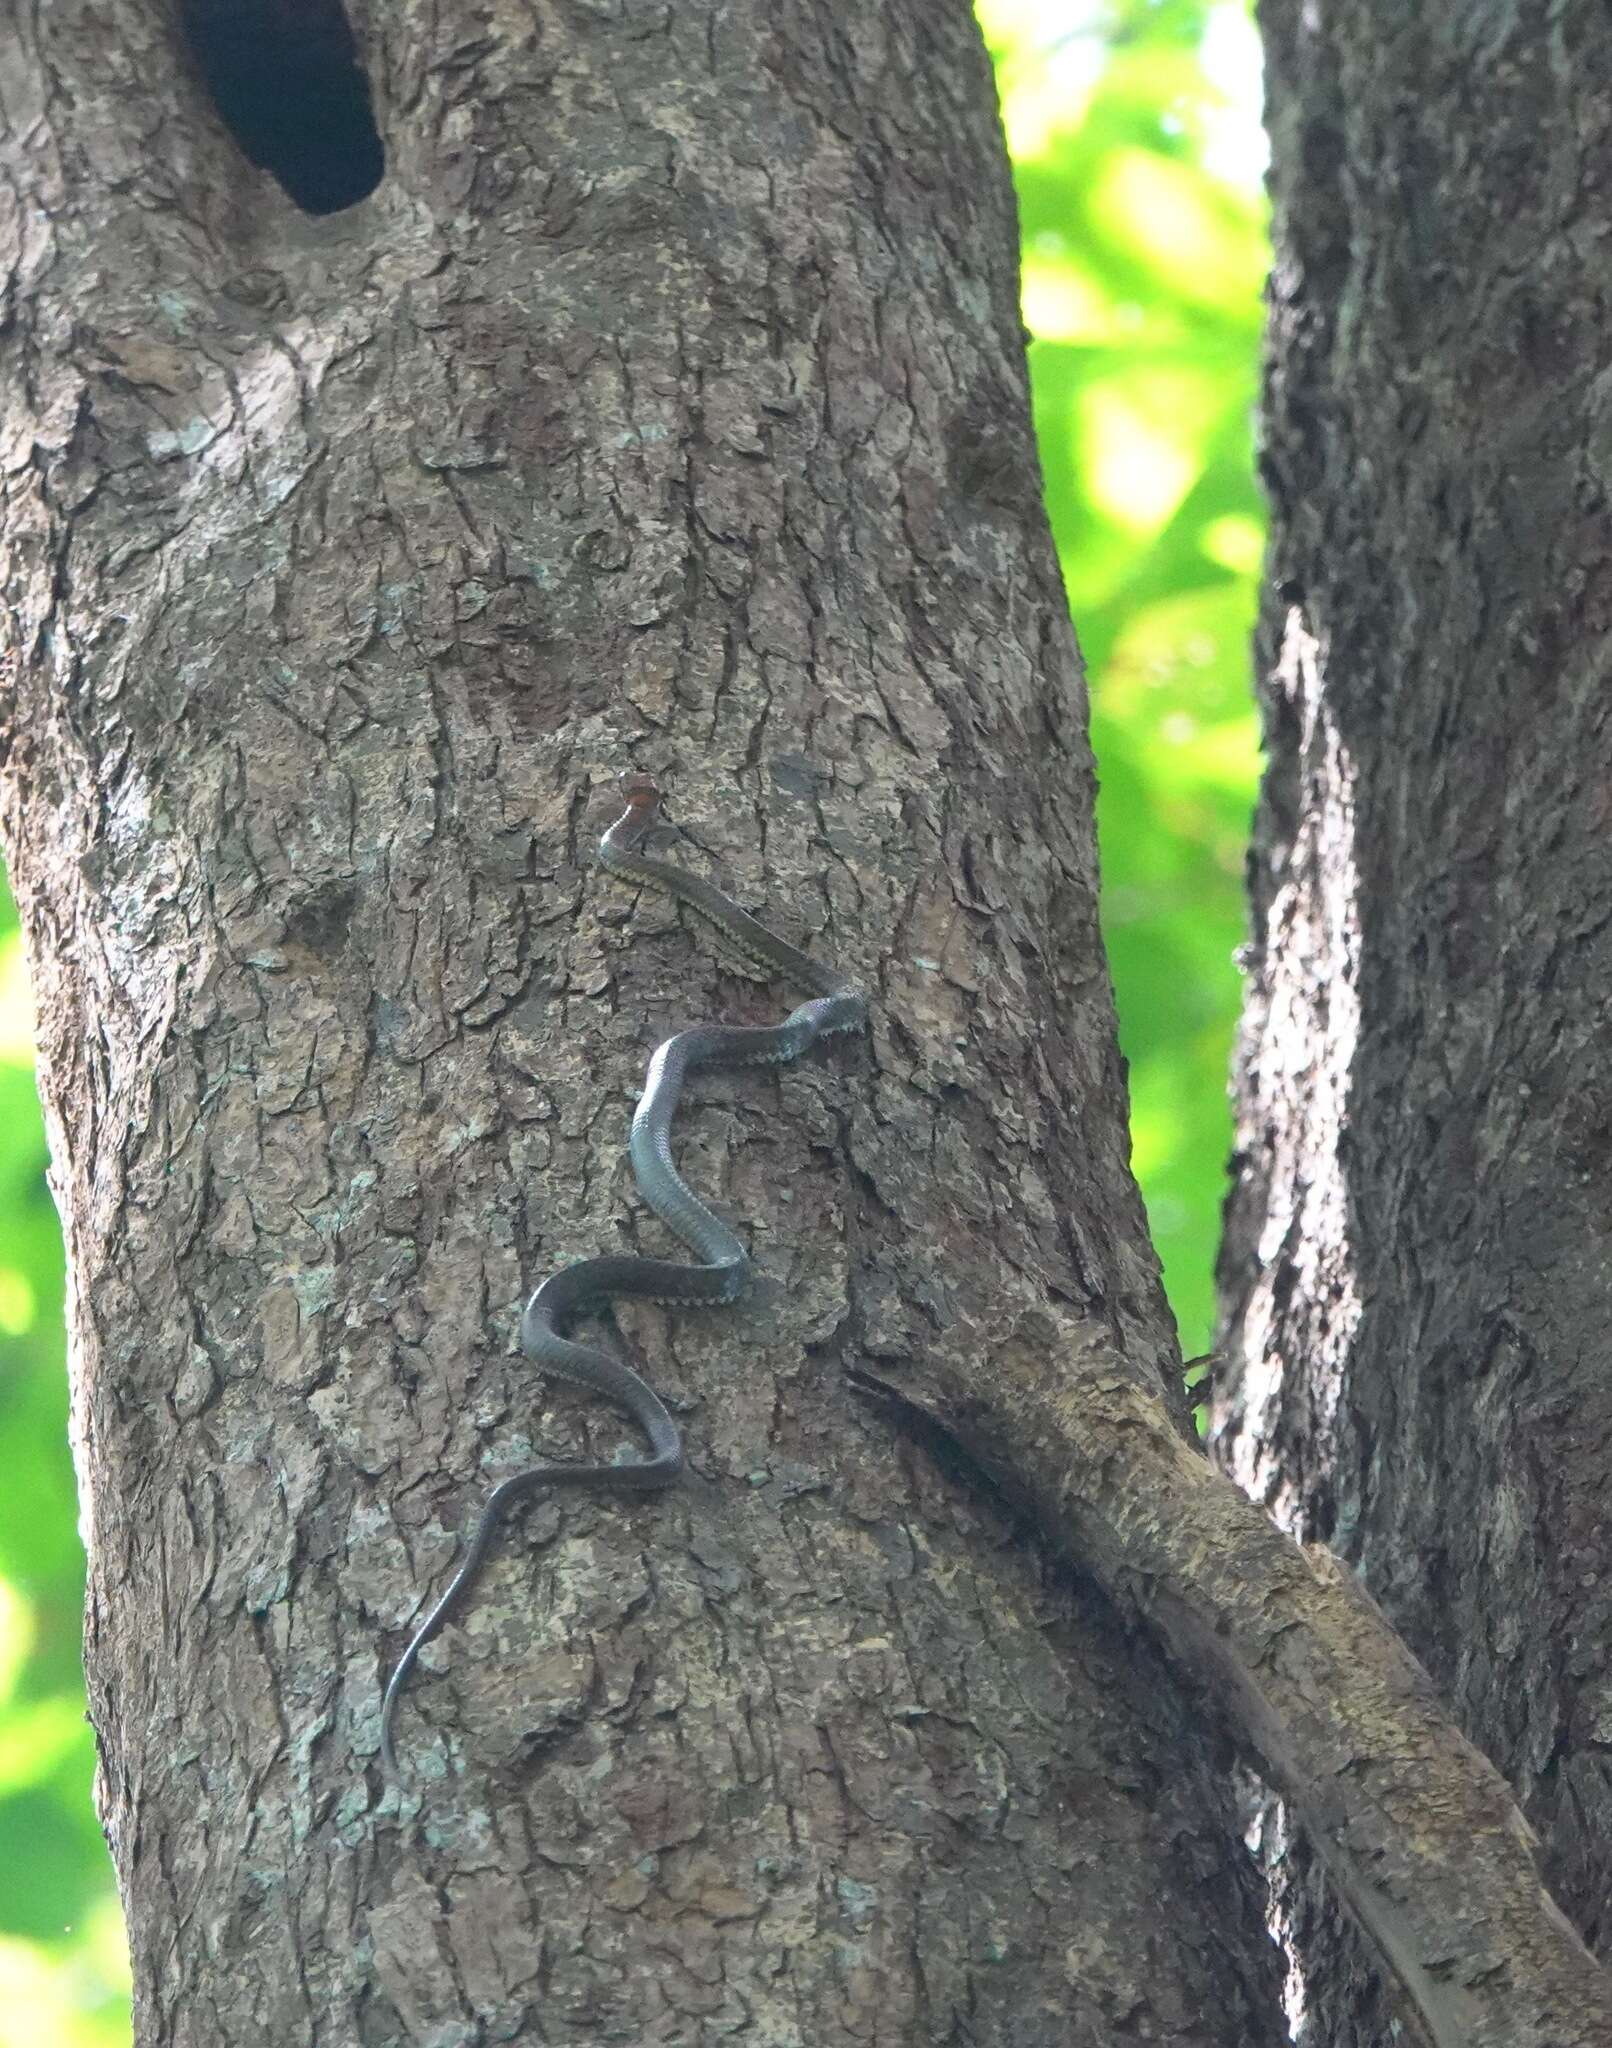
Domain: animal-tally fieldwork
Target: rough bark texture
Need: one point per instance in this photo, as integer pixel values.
(664, 407)
(1420, 1248)
(1419, 1835)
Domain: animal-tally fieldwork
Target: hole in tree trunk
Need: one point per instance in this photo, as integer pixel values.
(286, 80)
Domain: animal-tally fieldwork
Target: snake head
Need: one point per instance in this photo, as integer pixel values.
(640, 792)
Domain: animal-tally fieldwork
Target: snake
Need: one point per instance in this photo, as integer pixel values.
(721, 1267)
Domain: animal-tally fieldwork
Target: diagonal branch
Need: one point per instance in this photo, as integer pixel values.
(1419, 1832)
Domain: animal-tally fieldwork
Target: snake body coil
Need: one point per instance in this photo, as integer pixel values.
(722, 1267)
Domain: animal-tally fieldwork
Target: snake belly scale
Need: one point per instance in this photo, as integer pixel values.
(721, 1266)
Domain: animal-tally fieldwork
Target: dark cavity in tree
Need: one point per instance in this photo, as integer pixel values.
(286, 80)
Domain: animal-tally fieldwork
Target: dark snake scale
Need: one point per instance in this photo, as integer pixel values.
(721, 1266)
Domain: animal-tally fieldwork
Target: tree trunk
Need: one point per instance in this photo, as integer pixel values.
(664, 407)
(1416, 1266)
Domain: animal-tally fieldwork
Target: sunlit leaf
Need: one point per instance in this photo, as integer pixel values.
(18, 1628)
(18, 1302)
(35, 1740)
(1174, 219)
(16, 1004)
(72, 1993)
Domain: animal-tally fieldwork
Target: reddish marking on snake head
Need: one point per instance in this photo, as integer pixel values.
(640, 792)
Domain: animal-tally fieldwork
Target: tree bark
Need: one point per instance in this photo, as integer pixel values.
(664, 407)
(1420, 1839)
(1415, 1272)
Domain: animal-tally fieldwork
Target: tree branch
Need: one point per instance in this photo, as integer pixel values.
(1418, 1830)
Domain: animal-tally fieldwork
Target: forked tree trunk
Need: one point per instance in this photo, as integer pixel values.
(663, 407)
(1418, 1271)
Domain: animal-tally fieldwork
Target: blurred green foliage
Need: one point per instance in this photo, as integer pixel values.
(1138, 158)
(1136, 150)
(63, 1974)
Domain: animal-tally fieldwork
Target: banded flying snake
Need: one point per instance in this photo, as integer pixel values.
(722, 1265)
